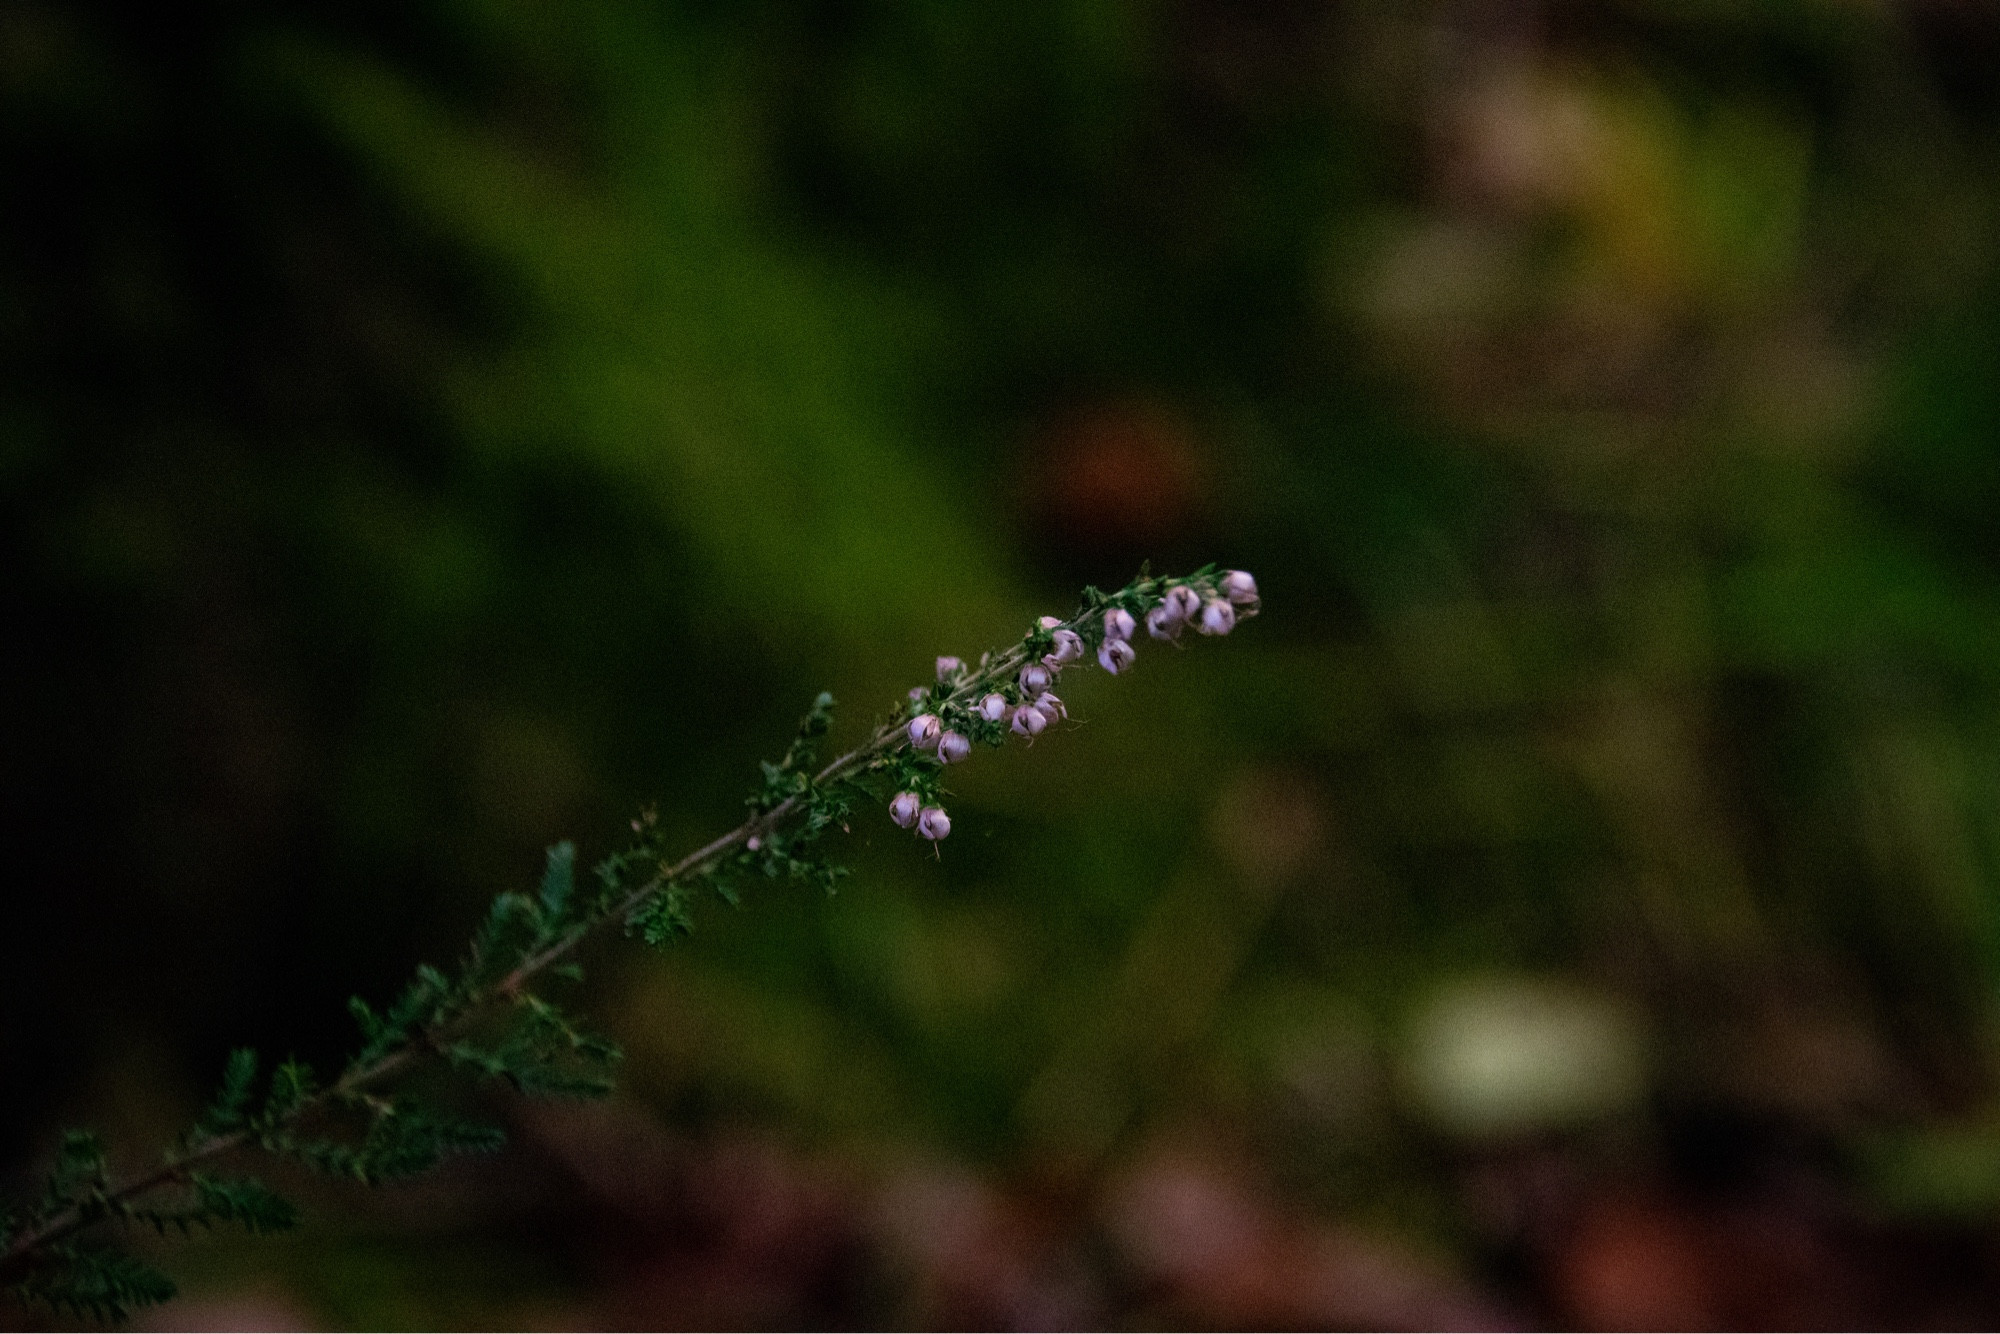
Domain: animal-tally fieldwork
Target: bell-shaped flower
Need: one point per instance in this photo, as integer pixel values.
(993, 707)
(923, 731)
(903, 809)
(1035, 678)
(1238, 587)
(1029, 721)
(933, 823)
(1118, 624)
(953, 747)
(1217, 617)
(1116, 655)
(1068, 648)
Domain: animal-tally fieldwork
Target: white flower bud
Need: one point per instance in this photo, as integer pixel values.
(1182, 602)
(1035, 678)
(1162, 624)
(1051, 708)
(1238, 586)
(933, 823)
(1217, 617)
(993, 708)
(1069, 647)
(903, 809)
(1118, 624)
(1029, 720)
(1116, 655)
(953, 747)
(948, 667)
(923, 731)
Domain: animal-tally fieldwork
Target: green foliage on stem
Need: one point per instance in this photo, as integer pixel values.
(210, 1200)
(542, 1052)
(482, 1019)
(99, 1282)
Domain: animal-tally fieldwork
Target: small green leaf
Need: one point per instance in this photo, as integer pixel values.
(244, 1200)
(292, 1083)
(558, 879)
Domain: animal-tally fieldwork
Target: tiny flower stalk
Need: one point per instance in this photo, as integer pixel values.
(491, 1019)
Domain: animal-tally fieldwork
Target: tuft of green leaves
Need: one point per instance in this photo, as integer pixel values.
(293, 1084)
(226, 1113)
(104, 1284)
(211, 1200)
(543, 1052)
(558, 882)
(403, 1137)
(663, 917)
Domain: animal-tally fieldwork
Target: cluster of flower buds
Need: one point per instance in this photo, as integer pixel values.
(1028, 705)
(907, 809)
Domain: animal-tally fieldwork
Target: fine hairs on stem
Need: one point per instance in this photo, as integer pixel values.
(484, 1019)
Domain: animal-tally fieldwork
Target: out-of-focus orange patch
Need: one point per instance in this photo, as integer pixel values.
(1637, 1264)
(1117, 472)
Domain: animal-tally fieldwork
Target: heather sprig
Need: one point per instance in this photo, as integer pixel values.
(486, 1018)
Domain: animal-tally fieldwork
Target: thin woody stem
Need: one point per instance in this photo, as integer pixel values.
(20, 1253)
(430, 1041)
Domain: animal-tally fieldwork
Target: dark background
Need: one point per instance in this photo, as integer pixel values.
(430, 431)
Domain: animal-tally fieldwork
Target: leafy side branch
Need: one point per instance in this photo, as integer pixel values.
(483, 1018)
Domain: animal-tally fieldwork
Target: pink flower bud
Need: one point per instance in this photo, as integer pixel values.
(1029, 720)
(903, 809)
(1051, 708)
(916, 694)
(1238, 586)
(1162, 624)
(933, 823)
(1217, 617)
(953, 747)
(993, 708)
(1049, 622)
(1118, 624)
(923, 731)
(754, 843)
(1035, 678)
(1182, 603)
(948, 668)
(1116, 655)
(1069, 647)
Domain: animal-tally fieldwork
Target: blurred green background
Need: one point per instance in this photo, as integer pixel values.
(430, 431)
